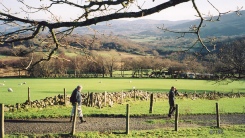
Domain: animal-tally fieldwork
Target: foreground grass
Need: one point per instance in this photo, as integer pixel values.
(137, 108)
(41, 88)
(226, 131)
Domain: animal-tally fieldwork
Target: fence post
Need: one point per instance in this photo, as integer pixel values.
(127, 118)
(65, 96)
(134, 95)
(17, 106)
(2, 120)
(29, 97)
(74, 120)
(91, 99)
(217, 114)
(176, 117)
(151, 104)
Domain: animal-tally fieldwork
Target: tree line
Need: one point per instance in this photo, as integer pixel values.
(227, 61)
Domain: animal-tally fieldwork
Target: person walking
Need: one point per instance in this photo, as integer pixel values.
(171, 101)
(77, 98)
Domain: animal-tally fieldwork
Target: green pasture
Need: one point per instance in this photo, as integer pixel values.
(143, 38)
(70, 54)
(138, 108)
(41, 88)
(2, 56)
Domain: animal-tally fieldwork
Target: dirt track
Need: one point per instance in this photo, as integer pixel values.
(102, 124)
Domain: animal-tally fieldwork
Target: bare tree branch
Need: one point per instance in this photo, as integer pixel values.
(197, 29)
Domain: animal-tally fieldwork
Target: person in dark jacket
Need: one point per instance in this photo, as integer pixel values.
(171, 101)
(77, 99)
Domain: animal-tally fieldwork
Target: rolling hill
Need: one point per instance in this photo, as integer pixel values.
(229, 24)
(146, 36)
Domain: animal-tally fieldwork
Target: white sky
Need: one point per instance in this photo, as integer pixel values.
(184, 11)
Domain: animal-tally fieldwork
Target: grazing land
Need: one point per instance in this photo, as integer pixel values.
(41, 88)
(197, 116)
(138, 108)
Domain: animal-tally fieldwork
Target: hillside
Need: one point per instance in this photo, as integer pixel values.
(145, 32)
(229, 24)
(125, 27)
(142, 36)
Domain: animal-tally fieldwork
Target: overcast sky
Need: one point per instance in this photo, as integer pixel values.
(184, 11)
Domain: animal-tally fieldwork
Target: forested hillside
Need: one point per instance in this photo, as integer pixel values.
(146, 33)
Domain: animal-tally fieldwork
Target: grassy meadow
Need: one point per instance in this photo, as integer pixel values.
(138, 108)
(41, 88)
(114, 53)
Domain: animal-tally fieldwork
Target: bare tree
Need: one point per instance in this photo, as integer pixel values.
(20, 25)
(110, 64)
(101, 65)
(232, 60)
(192, 65)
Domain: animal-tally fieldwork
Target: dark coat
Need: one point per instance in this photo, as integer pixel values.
(171, 98)
(78, 96)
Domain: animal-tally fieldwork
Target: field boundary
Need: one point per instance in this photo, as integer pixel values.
(100, 100)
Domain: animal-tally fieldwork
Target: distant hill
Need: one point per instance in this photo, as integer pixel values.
(145, 31)
(142, 35)
(229, 24)
(125, 27)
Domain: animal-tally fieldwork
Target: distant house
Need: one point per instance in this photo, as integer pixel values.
(191, 75)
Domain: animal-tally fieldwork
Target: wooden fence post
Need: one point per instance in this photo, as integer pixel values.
(127, 118)
(29, 97)
(176, 117)
(17, 106)
(91, 99)
(2, 120)
(74, 120)
(151, 103)
(65, 96)
(217, 115)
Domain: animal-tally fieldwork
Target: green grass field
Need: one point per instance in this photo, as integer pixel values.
(143, 39)
(138, 108)
(41, 88)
